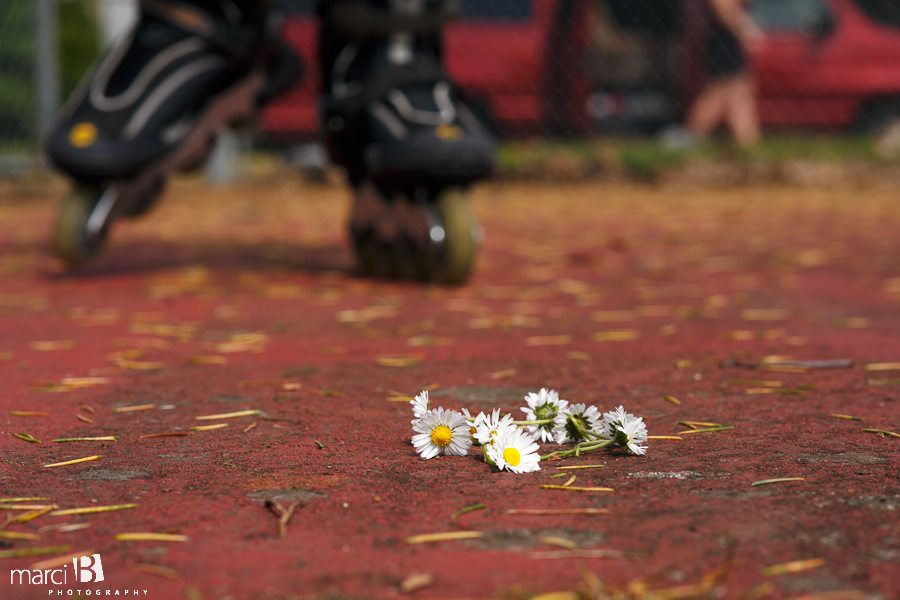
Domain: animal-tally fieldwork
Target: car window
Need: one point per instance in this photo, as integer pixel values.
(648, 16)
(788, 14)
(495, 10)
(299, 7)
(886, 12)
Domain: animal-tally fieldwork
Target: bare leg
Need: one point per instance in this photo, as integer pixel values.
(710, 107)
(743, 118)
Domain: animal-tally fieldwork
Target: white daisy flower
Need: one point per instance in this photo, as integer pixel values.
(515, 450)
(542, 405)
(612, 419)
(442, 430)
(588, 419)
(420, 405)
(473, 421)
(491, 426)
(626, 430)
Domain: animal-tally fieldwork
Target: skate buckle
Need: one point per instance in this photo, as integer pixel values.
(100, 215)
(448, 131)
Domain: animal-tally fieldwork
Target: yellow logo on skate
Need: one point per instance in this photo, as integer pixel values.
(448, 132)
(83, 135)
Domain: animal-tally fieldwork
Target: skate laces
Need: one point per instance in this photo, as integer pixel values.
(445, 114)
(441, 94)
(340, 87)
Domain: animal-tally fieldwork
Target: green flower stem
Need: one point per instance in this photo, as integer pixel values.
(588, 446)
(487, 457)
(588, 436)
(537, 422)
(578, 450)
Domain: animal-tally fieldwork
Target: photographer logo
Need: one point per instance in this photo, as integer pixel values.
(90, 569)
(87, 569)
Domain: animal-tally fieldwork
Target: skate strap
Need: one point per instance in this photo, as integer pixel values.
(233, 39)
(381, 81)
(362, 19)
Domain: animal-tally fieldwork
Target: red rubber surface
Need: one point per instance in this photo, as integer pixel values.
(271, 258)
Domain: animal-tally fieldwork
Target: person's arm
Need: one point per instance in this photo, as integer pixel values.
(738, 21)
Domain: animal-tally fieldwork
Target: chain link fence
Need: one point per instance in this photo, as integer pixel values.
(45, 47)
(18, 94)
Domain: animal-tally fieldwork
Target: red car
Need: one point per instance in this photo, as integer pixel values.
(826, 63)
(830, 63)
(520, 62)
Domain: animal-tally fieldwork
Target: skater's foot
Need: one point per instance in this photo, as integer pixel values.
(146, 93)
(394, 116)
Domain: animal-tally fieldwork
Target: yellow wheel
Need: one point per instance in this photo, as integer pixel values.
(70, 237)
(460, 237)
(432, 240)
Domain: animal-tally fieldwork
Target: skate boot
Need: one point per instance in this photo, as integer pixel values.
(153, 104)
(410, 146)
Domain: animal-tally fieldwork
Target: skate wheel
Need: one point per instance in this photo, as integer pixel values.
(431, 241)
(460, 231)
(70, 239)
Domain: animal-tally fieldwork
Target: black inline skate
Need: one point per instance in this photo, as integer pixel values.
(410, 146)
(154, 103)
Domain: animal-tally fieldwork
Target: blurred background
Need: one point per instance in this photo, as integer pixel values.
(574, 87)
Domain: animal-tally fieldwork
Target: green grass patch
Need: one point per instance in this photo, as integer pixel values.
(646, 159)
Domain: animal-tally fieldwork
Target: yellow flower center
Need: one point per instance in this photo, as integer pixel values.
(441, 435)
(512, 456)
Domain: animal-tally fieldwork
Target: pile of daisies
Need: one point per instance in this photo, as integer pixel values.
(513, 445)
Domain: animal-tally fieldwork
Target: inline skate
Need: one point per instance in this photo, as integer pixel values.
(411, 147)
(153, 104)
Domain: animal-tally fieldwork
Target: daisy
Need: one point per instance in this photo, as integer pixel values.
(473, 422)
(564, 431)
(626, 430)
(542, 405)
(439, 430)
(491, 426)
(515, 450)
(420, 405)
